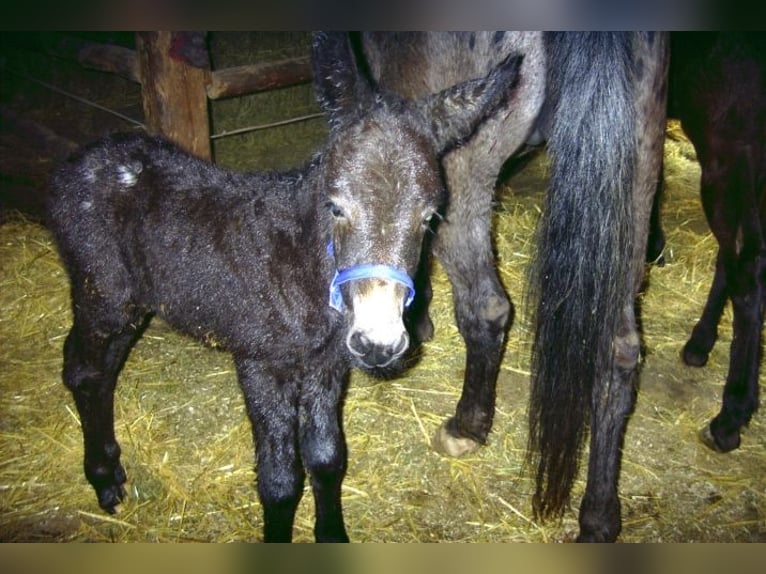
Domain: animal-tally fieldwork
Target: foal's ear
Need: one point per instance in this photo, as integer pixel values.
(342, 91)
(455, 113)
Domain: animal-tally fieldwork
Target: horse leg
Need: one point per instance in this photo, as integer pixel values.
(272, 406)
(732, 208)
(697, 349)
(323, 451)
(93, 358)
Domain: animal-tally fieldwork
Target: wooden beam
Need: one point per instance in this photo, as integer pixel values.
(242, 80)
(224, 83)
(102, 57)
(175, 101)
(114, 59)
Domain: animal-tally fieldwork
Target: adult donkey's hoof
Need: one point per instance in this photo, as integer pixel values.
(449, 445)
(720, 444)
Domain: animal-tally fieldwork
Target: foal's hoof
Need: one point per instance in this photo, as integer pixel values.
(110, 497)
(709, 440)
(446, 444)
(110, 492)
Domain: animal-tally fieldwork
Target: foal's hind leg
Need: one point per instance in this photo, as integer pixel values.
(92, 361)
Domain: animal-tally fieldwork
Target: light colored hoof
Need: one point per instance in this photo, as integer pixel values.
(448, 445)
(706, 436)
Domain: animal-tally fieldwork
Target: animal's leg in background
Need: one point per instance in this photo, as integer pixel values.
(697, 349)
(419, 324)
(323, 451)
(93, 357)
(614, 395)
(483, 310)
(272, 406)
(715, 197)
(656, 242)
(735, 214)
(613, 399)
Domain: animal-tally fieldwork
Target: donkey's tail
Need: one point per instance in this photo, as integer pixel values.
(580, 279)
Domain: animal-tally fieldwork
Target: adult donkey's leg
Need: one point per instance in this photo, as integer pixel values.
(613, 397)
(463, 244)
(705, 333)
(736, 212)
(482, 309)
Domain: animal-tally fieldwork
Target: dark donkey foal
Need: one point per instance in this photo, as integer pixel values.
(144, 228)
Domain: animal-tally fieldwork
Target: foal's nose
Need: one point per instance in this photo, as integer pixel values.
(374, 354)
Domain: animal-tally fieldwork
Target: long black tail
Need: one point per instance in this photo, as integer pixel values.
(580, 280)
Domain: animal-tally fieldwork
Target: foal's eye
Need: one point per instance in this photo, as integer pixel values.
(429, 218)
(336, 211)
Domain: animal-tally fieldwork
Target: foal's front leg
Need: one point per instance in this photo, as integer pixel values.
(92, 362)
(323, 449)
(272, 406)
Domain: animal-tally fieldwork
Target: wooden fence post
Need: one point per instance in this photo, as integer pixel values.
(174, 94)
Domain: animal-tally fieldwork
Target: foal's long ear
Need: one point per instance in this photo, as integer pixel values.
(342, 91)
(455, 113)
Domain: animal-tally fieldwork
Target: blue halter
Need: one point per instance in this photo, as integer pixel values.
(367, 271)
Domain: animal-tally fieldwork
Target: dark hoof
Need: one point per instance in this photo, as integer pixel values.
(110, 492)
(336, 538)
(693, 356)
(109, 498)
(726, 444)
(599, 521)
(596, 537)
(447, 444)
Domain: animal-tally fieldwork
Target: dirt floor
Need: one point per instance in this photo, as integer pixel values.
(186, 440)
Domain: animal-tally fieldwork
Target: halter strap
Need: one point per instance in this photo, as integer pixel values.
(367, 271)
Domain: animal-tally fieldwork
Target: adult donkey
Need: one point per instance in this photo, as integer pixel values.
(144, 228)
(598, 100)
